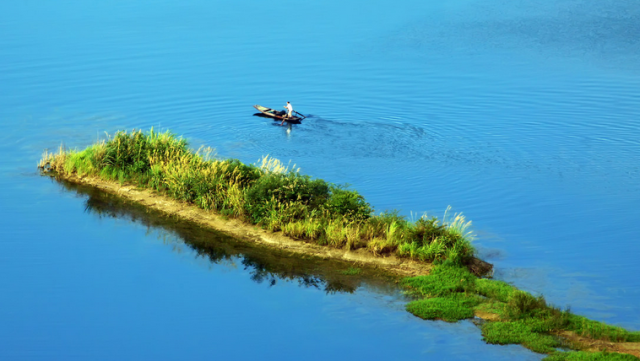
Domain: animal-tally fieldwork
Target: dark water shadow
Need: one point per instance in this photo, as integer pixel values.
(265, 265)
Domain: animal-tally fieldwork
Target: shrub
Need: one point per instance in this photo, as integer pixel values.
(348, 203)
(239, 173)
(290, 188)
(522, 304)
(427, 230)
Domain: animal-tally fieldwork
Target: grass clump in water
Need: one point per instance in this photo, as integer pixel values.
(519, 332)
(529, 320)
(598, 330)
(449, 293)
(443, 281)
(526, 320)
(452, 293)
(269, 194)
(450, 308)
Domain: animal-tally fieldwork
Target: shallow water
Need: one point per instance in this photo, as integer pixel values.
(523, 115)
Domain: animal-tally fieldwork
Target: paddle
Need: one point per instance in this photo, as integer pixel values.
(303, 117)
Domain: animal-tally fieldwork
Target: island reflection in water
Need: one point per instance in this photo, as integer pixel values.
(265, 265)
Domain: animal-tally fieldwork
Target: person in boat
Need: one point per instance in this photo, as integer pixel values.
(289, 108)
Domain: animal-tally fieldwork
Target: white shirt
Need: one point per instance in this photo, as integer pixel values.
(289, 107)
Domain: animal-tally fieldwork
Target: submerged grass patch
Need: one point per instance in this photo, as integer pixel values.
(452, 293)
(521, 333)
(443, 281)
(450, 308)
(601, 331)
(269, 194)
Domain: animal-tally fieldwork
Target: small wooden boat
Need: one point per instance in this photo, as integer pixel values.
(279, 114)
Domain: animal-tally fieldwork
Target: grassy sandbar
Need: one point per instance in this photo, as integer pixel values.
(279, 199)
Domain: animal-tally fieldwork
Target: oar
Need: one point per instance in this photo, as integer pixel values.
(299, 114)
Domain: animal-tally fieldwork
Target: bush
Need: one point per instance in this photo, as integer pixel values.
(428, 230)
(522, 304)
(238, 172)
(348, 203)
(275, 189)
(131, 151)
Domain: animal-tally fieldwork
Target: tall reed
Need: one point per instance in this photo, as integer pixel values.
(270, 194)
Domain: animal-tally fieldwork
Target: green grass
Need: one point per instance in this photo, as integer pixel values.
(519, 332)
(450, 308)
(268, 194)
(443, 281)
(452, 293)
(499, 290)
(598, 330)
(493, 306)
(590, 356)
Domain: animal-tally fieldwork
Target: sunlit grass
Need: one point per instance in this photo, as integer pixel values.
(498, 290)
(598, 330)
(269, 193)
(520, 333)
(451, 308)
(274, 166)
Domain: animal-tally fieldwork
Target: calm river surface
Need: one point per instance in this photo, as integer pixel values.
(523, 115)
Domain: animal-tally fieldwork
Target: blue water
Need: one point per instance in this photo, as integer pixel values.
(523, 115)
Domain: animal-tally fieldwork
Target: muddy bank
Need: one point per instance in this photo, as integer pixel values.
(246, 232)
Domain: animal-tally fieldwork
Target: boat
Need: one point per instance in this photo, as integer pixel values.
(278, 114)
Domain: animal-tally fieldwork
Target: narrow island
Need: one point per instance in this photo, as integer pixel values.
(270, 204)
